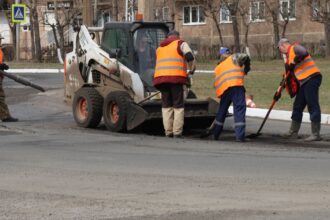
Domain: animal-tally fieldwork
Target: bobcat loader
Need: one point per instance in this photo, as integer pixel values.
(106, 75)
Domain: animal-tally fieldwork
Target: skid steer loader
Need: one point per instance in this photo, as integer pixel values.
(107, 75)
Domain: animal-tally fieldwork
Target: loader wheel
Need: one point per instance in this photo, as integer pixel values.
(87, 107)
(115, 111)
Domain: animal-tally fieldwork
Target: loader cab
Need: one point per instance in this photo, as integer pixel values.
(134, 45)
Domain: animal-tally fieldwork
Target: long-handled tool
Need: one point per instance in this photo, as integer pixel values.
(149, 97)
(22, 80)
(277, 96)
(208, 131)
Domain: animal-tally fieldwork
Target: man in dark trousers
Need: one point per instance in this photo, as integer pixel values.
(308, 76)
(229, 86)
(4, 111)
(174, 58)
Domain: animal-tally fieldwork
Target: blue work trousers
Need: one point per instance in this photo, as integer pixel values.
(308, 94)
(235, 95)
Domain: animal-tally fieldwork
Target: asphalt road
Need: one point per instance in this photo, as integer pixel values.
(51, 169)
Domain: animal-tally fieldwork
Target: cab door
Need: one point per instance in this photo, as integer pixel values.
(117, 39)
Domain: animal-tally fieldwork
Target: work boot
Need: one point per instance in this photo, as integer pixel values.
(10, 119)
(168, 117)
(294, 129)
(315, 136)
(178, 121)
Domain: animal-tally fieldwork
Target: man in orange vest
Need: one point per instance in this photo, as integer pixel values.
(174, 58)
(302, 67)
(229, 85)
(4, 111)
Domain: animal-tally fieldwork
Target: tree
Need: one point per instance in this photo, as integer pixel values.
(321, 14)
(63, 17)
(280, 14)
(287, 11)
(11, 25)
(34, 27)
(211, 9)
(244, 11)
(232, 6)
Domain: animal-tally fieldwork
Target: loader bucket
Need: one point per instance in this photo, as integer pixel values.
(135, 116)
(199, 113)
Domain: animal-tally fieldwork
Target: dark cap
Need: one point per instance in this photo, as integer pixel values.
(173, 32)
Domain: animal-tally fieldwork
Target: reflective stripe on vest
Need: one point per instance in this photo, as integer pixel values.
(305, 68)
(170, 62)
(227, 74)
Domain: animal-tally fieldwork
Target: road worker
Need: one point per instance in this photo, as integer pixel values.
(4, 111)
(301, 67)
(229, 86)
(174, 58)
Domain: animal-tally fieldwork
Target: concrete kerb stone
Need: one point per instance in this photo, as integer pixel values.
(33, 71)
(280, 115)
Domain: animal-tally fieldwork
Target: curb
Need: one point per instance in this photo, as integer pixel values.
(33, 71)
(280, 115)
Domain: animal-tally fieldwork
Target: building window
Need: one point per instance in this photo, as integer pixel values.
(49, 19)
(166, 14)
(193, 15)
(315, 9)
(225, 16)
(257, 11)
(288, 9)
(103, 17)
(318, 10)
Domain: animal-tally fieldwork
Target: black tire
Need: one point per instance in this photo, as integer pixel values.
(87, 107)
(115, 108)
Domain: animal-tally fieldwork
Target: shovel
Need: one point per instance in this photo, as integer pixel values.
(208, 131)
(277, 96)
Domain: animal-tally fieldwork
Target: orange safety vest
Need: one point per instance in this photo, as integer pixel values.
(305, 68)
(170, 62)
(227, 74)
(1, 56)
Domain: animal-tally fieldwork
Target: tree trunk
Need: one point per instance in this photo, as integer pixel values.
(246, 35)
(55, 35)
(37, 38)
(13, 34)
(33, 51)
(327, 37)
(276, 35)
(237, 48)
(285, 25)
(61, 35)
(36, 35)
(115, 10)
(214, 17)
